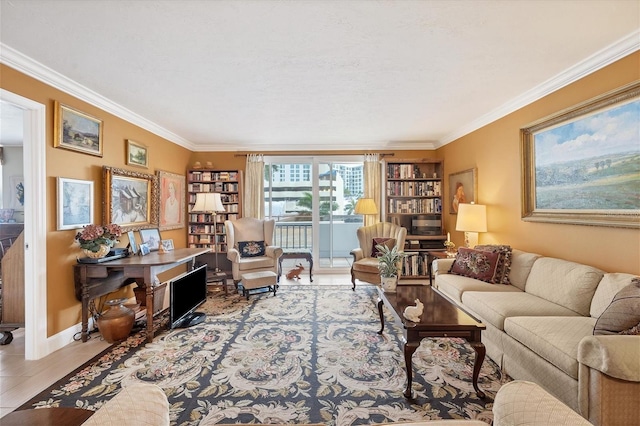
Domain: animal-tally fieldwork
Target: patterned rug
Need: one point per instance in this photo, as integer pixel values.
(309, 355)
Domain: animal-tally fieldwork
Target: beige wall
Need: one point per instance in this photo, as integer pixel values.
(63, 310)
(495, 151)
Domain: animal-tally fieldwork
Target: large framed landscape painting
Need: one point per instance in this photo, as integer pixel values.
(130, 199)
(582, 165)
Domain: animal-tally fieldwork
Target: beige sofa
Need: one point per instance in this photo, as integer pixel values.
(517, 403)
(540, 329)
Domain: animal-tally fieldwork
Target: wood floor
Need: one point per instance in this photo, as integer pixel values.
(20, 380)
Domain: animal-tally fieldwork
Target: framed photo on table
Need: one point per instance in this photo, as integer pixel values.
(150, 237)
(130, 199)
(172, 201)
(580, 166)
(76, 130)
(75, 203)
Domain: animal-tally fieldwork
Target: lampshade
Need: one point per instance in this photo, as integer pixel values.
(208, 202)
(472, 218)
(366, 206)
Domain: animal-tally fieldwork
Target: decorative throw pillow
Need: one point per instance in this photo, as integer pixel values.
(389, 242)
(477, 264)
(622, 316)
(251, 248)
(504, 261)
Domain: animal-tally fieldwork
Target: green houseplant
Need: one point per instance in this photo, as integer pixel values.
(389, 263)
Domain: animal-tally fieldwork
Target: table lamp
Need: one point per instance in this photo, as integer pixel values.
(366, 206)
(210, 203)
(472, 218)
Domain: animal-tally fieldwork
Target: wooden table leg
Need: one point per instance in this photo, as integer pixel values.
(380, 304)
(310, 259)
(477, 365)
(409, 349)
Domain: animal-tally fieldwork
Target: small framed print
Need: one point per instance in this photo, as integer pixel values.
(132, 242)
(137, 154)
(167, 245)
(150, 237)
(76, 130)
(144, 249)
(75, 203)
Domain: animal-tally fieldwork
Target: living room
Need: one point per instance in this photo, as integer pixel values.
(493, 148)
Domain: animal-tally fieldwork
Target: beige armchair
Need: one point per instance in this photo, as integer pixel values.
(365, 267)
(249, 229)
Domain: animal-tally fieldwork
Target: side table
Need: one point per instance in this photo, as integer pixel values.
(297, 254)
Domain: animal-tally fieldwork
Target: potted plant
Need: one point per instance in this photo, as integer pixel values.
(389, 262)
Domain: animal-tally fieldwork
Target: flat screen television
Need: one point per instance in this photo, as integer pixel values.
(187, 291)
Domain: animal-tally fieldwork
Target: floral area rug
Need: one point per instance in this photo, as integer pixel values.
(311, 354)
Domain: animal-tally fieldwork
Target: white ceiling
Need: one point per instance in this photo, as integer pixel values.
(309, 75)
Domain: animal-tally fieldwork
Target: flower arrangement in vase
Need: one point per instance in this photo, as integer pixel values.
(97, 240)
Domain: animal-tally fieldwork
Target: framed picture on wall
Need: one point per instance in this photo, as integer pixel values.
(463, 187)
(76, 130)
(171, 202)
(137, 154)
(580, 166)
(130, 198)
(75, 203)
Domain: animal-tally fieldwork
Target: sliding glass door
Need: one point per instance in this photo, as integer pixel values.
(312, 200)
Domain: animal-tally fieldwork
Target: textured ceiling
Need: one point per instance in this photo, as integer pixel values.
(279, 75)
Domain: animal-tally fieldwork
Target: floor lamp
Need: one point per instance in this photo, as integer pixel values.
(472, 218)
(210, 203)
(365, 206)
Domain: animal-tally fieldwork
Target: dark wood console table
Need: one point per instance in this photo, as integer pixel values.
(93, 280)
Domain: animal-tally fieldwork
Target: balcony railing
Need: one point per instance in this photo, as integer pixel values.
(293, 235)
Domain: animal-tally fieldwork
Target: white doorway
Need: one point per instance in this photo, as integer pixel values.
(35, 223)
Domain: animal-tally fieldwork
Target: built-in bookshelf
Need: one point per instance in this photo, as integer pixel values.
(413, 193)
(207, 229)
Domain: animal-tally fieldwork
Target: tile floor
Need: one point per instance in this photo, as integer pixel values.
(20, 380)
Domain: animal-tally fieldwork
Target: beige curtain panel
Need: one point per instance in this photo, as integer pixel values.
(253, 205)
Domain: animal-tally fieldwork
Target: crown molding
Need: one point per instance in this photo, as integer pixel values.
(18, 61)
(272, 147)
(618, 50)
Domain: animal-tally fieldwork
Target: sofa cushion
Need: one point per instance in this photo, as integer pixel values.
(455, 285)
(368, 265)
(478, 264)
(609, 286)
(556, 339)
(521, 263)
(389, 242)
(565, 283)
(504, 261)
(495, 307)
(623, 313)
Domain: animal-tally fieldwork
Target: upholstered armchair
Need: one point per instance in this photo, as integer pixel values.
(365, 267)
(250, 246)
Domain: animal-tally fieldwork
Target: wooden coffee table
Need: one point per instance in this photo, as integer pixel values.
(53, 416)
(440, 318)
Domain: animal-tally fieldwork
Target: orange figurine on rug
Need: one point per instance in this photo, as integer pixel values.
(295, 272)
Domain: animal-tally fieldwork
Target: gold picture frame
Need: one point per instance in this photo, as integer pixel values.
(171, 200)
(76, 130)
(580, 165)
(137, 154)
(463, 188)
(130, 199)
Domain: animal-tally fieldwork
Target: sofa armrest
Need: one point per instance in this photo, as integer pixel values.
(441, 266)
(137, 405)
(525, 403)
(357, 254)
(614, 355)
(273, 251)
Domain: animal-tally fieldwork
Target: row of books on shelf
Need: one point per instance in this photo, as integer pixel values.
(414, 264)
(225, 198)
(208, 176)
(213, 187)
(403, 171)
(208, 217)
(415, 189)
(202, 238)
(417, 206)
(207, 229)
(215, 248)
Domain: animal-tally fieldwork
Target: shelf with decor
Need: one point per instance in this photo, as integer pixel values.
(413, 191)
(206, 228)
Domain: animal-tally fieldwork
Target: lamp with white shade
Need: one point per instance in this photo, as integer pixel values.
(472, 218)
(366, 206)
(210, 203)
